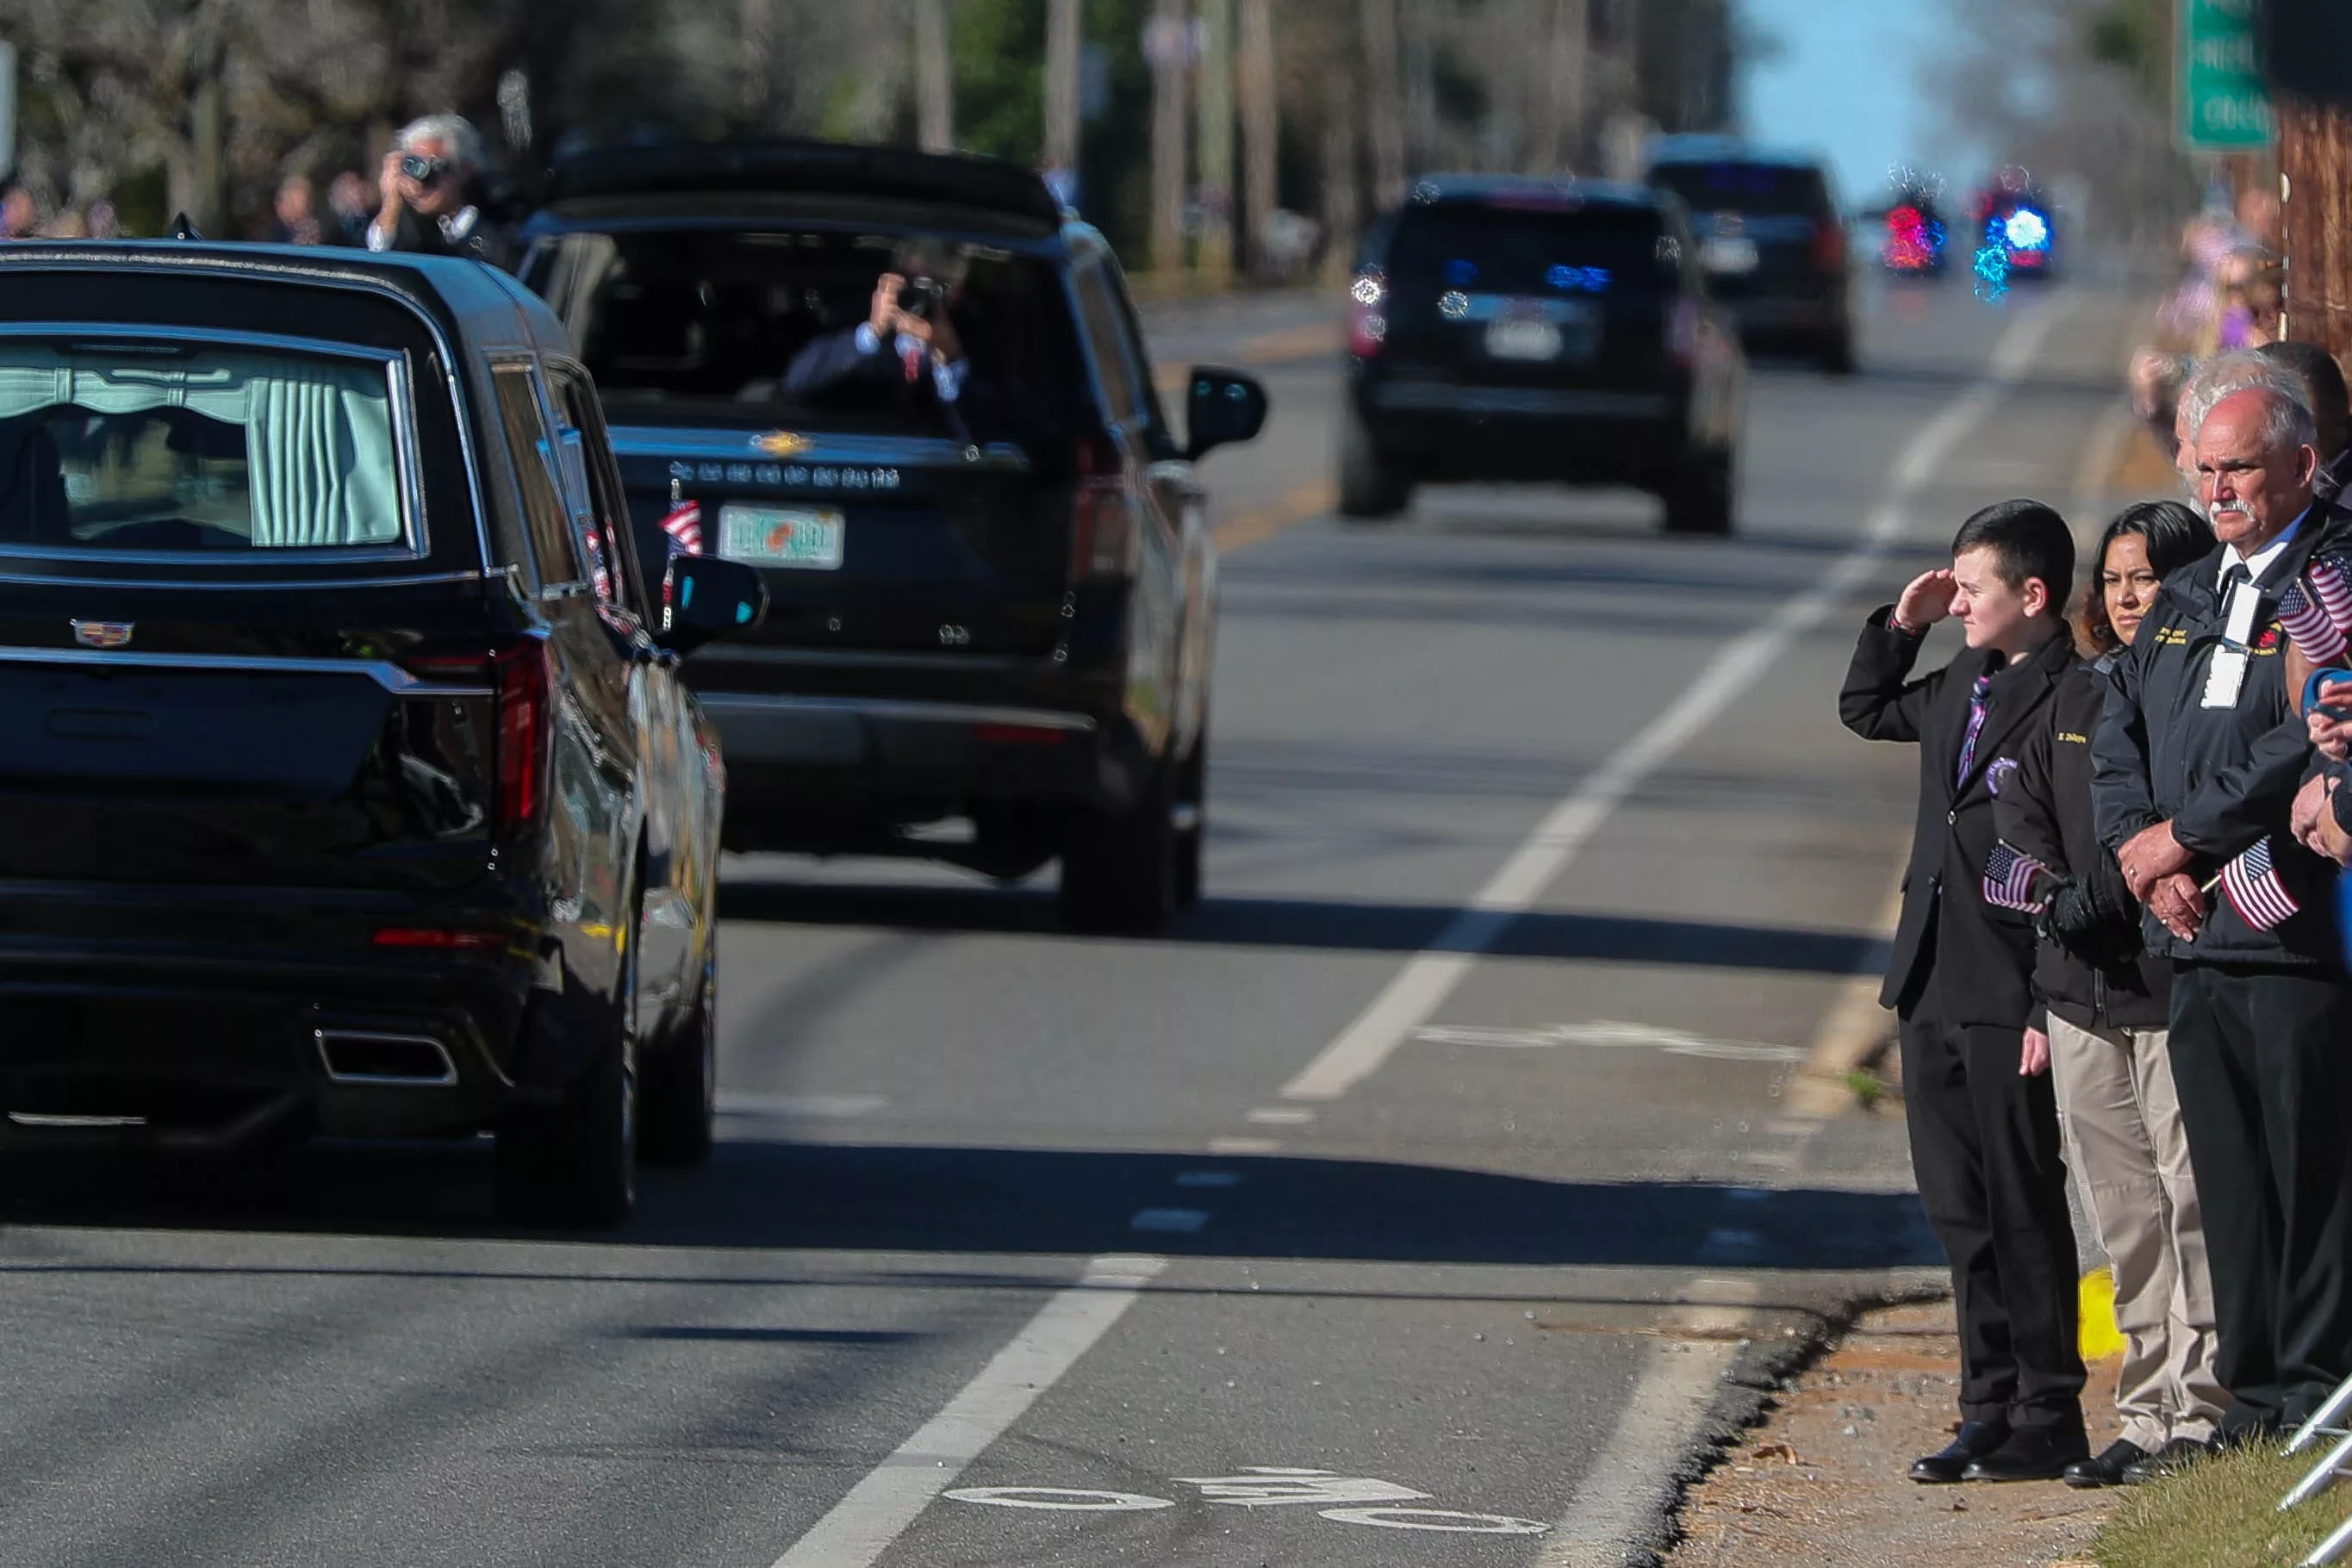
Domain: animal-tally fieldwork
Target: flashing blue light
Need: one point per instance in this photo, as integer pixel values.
(2026, 230)
(1459, 271)
(1580, 279)
(1991, 269)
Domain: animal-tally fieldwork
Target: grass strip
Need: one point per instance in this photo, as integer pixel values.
(2220, 1512)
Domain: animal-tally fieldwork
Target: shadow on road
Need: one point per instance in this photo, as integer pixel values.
(774, 1196)
(1321, 923)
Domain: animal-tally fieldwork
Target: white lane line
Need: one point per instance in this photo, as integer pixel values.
(1244, 1145)
(1623, 1498)
(879, 1507)
(1181, 1222)
(1281, 1116)
(1430, 976)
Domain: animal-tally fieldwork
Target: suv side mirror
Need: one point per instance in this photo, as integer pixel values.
(704, 598)
(1221, 407)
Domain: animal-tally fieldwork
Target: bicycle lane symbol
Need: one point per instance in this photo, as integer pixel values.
(1342, 1499)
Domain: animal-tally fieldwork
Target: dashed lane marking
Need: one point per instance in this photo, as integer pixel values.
(880, 1507)
(1281, 1116)
(1244, 1145)
(1431, 976)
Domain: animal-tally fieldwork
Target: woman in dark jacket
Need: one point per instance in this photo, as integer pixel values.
(2102, 1033)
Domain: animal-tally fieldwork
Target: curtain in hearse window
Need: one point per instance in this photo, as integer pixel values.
(185, 447)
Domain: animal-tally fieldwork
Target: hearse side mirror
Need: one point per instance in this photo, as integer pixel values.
(705, 598)
(1221, 407)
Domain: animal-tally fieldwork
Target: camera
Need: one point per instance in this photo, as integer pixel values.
(922, 297)
(422, 169)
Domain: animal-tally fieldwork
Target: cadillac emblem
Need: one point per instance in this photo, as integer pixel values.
(781, 444)
(102, 634)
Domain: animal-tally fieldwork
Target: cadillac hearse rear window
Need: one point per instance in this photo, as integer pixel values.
(180, 448)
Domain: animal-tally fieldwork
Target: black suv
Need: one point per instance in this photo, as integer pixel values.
(348, 783)
(911, 390)
(1770, 240)
(1539, 329)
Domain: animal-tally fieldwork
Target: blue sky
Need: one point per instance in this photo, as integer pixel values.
(1843, 82)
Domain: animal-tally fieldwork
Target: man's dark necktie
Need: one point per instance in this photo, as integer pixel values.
(1976, 724)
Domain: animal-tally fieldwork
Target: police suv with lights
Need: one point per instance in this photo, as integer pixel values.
(909, 390)
(1551, 331)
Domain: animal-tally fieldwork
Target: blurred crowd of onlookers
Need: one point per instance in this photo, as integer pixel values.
(2230, 295)
(295, 213)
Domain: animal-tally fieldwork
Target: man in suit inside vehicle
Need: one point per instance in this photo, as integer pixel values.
(908, 352)
(1984, 1133)
(2200, 755)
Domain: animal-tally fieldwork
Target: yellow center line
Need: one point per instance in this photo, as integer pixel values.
(1255, 525)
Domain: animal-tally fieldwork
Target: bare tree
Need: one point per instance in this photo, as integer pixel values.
(1062, 58)
(1166, 48)
(1383, 101)
(1215, 103)
(1256, 79)
(935, 92)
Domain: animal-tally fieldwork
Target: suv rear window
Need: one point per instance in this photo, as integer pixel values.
(1744, 187)
(693, 323)
(178, 447)
(1590, 250)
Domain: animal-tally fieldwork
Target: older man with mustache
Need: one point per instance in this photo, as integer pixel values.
(2198, 758)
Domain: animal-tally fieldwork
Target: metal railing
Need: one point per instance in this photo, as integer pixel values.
(2328, 1421)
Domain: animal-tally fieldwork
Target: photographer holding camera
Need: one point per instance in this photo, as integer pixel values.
(909, 348)
(432, 194)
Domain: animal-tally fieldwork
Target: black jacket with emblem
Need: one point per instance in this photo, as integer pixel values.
(2224, 777)
(2043, 808)
(1981, 957)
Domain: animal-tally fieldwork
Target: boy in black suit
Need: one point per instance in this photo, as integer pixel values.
(1983, 1122)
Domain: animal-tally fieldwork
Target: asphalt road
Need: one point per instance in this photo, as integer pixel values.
(1411, 1202)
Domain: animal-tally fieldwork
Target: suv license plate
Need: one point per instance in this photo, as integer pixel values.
(1737, 254)
(1522, 340)
(800, 538)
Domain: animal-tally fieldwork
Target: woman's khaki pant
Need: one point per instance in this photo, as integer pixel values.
(2121, 1116)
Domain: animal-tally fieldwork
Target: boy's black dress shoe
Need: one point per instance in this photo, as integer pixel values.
(1974, 1440)
(2166, 1460)
(2112, 1466)
(2033, 1454)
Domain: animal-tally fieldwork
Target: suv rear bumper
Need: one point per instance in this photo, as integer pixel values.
(214, 1035)
(1441, 430)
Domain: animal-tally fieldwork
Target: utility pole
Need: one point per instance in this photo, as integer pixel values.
(1420, 22)
(934, 86)
(2303, 47)
(1062, 39)
(1342, 215)
(1215, 255)
(1165, 44)
(1254, 74)
(1383, 101)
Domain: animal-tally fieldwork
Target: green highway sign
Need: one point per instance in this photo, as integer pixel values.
(2219, 77)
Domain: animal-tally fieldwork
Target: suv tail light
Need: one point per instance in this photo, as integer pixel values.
(1104, 542)
(1828, 245)
(518, 674)
(1367, 322)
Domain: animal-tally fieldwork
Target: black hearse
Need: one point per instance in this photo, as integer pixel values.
(347, 783)
(995, 588)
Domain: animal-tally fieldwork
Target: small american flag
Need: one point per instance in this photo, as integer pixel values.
(2331, 584)
(684, 526)
(2254, 890)
(2009, 879)
(2319, 637)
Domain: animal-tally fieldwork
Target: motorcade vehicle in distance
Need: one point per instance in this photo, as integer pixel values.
(2016, 234)
(1551, 331)
(350, 782)
(1772, 241)
(994, 606)
(1913, 240)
